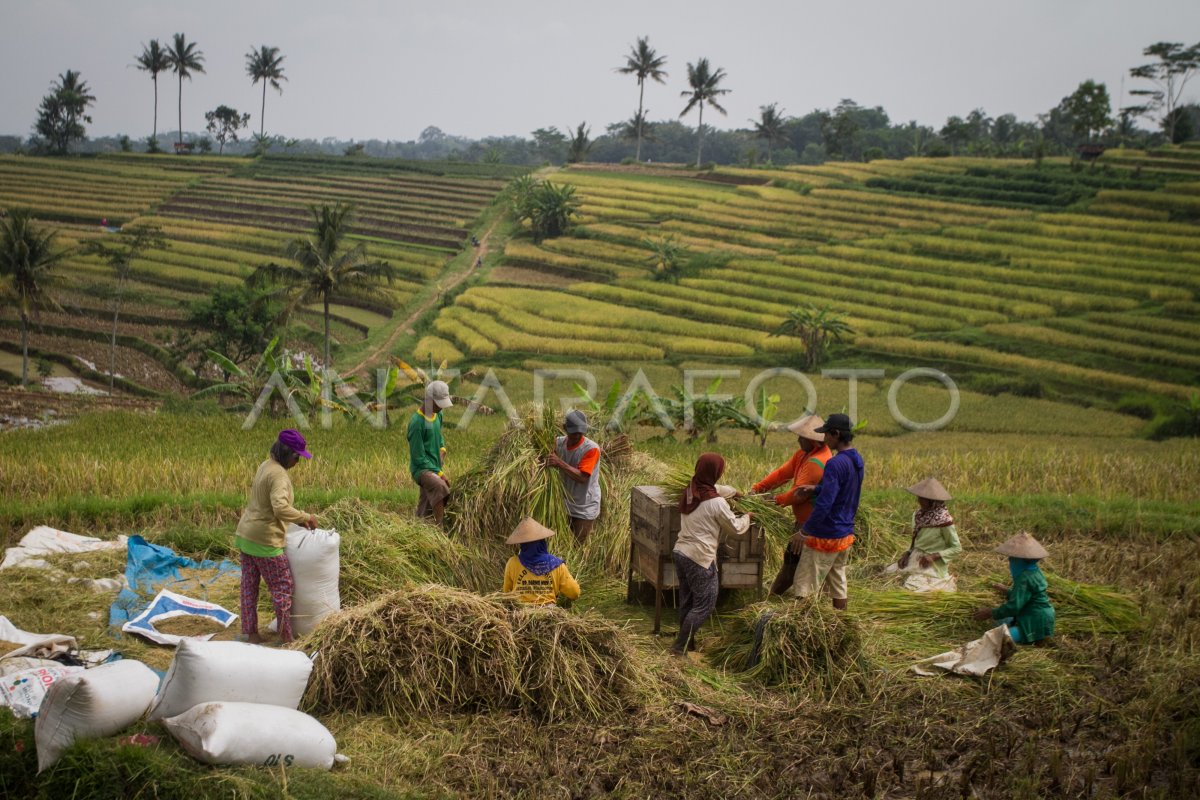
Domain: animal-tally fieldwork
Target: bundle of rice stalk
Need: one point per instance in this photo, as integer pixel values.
(575, 665)
(511, 482)
(1087, 608)
(1080, 609)
(775, 522)
(431, 648)
(417, 650)
(382, 551)
(803, 643)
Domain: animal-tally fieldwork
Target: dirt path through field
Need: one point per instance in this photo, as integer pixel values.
(406, 326)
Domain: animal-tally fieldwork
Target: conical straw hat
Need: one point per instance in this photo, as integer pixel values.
(930, 489)
(1023, 546)
(807, 427)
(529, 530)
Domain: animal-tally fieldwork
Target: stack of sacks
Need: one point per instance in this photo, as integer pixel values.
(230, 703)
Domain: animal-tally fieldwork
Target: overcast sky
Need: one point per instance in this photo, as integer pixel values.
(367, 69)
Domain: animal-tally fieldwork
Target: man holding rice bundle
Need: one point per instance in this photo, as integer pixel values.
(261, 535)
(1027, 610)
(934, 541)
(806, 467)
(705, 516)
(427, 452)
(537, 576)
(829, 530)
(577, 459)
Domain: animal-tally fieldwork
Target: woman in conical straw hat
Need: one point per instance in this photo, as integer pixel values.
(534, 574)
(934, 541)
(1027, 611)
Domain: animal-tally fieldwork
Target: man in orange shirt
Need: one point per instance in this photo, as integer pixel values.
(805, 468)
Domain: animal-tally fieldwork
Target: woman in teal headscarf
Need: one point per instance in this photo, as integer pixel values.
(1027, 611)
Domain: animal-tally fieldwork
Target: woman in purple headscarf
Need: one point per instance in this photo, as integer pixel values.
(261, 535)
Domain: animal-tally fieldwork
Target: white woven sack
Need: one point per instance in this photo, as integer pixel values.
(99, 702)
(249, 734)
(314, 559)
(204, 672)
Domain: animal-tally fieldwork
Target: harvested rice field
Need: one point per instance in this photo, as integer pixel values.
(435, 686)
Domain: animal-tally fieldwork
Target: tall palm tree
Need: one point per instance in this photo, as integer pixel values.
(154, 60)
(185, 59)
(706, 88)
(323, 268)
(769, 126)
(27, 255)
(644, 62)
(266, 65)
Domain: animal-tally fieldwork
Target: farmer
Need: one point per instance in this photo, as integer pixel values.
(261, 532)
(705, 516)
(1027, 612)
(934, 541)
(577, 459)
(533, 573)
(804, 468)
(427, 452)
(829, 529)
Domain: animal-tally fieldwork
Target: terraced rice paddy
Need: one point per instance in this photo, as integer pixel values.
(1000, 266)
(224, 217)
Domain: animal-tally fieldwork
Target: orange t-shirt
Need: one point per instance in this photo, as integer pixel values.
(802, 469)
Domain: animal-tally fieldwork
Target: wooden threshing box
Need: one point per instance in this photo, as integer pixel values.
(653, 526)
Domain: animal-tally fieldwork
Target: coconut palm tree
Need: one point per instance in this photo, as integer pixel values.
(815, 328)
(27, 256)
(643, 62)
(266, 65)
(154, 60)
(323, 267)
(706, 88)
(185, 59)
(769, 126)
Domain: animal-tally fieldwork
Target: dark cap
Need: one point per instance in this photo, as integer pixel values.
(576, 422)
(836, 422)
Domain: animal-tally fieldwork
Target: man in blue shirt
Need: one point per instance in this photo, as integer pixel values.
(829, 530)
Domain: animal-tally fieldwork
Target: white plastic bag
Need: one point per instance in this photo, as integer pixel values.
(314, 559)
(95, 703)
(168, 605)
(34, 645)
(204, 672)
(44, 541)
(253, 735)
(24, 691)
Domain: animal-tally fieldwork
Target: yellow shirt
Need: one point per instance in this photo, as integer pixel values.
(269, 509)
(540, 590)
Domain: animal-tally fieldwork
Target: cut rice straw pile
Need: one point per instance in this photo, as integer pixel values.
(429, 649)
(804, 643)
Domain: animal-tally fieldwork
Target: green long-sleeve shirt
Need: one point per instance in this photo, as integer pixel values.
(939, 542)
(1029, 606)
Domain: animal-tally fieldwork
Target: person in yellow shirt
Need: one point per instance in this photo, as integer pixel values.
(261, 535)
(536, 576)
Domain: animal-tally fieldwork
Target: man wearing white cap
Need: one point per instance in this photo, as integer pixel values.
(578, 461)
(427, 452)
(805, 468)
